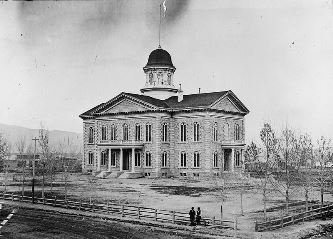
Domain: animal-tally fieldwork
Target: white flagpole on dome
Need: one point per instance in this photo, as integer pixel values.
(159, 29)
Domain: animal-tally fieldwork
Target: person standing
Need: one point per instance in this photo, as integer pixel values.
(198, 218)
(192, 216)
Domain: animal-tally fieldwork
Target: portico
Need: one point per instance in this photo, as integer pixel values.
(233, 157)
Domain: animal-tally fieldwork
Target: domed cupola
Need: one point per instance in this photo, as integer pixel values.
(159, 72)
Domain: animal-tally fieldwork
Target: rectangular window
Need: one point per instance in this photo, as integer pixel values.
(148, 132)
(137, 159)
(215, 164)
(183, 132)
(113, 159)
(196, 132)
(237, 132)
(196, 161)
(113, 133)
(165, 133)
(183, 160)
(215, 132)
(164, 160)
(91, 135)
(148, 159)
(103, 133)
(137, 132)
(90, 158)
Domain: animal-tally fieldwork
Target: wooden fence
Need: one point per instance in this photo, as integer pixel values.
(123, 210)
(316, 211)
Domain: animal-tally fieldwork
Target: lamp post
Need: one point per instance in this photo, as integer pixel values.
(33, 171)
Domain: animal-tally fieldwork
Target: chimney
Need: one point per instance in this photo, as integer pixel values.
(180, 93)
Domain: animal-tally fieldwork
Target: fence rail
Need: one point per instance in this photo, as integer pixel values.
(123, 210)
(313, 212)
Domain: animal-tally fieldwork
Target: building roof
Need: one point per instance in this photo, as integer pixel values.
(159, 57)
(192, 101)
(195, 100)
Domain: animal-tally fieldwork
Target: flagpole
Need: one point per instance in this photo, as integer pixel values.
(159, 30)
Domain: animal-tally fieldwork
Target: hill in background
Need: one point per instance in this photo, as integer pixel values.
(57, 138)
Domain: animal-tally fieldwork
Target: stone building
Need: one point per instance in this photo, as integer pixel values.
(162, 132)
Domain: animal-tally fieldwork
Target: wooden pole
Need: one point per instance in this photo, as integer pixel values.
(242, 212)
(173, 217)
(221, 214)
(155, 215)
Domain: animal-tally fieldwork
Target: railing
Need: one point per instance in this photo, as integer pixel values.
(315, 211)
(123, 210)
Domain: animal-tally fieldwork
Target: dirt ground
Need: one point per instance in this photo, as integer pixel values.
(179, 195)
(33, 223)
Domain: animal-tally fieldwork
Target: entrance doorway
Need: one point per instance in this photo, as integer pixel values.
(126, 159)
(227, 159)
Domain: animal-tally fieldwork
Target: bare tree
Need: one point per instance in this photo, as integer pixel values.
(269, 140)
(21, 147)
(4, 151)
(45, 153)
(324, 158)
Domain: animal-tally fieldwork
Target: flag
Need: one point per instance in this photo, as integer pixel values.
(164, 7)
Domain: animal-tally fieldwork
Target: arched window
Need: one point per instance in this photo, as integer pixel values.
(226, 131)
(237, 132)
(113, 132)
(215, 132)
(104, 158)
(137, 132)
(195, 131)
(215, 163)
(125, 132)
(91, 135)
(183, 160)
(196, 160)
(90, 158)
(169, 78)
(103, 132)
(148, 132)
(165, 132)
(137, 159)
(182, 132)
(148, 159)
(164, 159)
(237, 159)
(113, 159)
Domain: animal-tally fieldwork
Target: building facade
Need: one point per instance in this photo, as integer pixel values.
(163, 133)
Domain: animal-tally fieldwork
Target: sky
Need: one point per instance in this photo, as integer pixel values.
(61, 58)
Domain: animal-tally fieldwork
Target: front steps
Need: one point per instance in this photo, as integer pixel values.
(131, 175)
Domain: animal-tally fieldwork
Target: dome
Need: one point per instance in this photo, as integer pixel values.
(159, 57)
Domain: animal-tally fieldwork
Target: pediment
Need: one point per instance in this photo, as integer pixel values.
(125, 105)
(227, 104)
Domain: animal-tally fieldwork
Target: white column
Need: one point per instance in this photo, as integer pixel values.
(243, 160)
(121, 160)
(232, 160)
(133, 159)
(109, 160)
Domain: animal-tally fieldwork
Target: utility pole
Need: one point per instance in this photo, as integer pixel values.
(33, 171)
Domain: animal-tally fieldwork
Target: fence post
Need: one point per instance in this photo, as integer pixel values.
(292, 219)
(12, 196)
(3, 195)
(281, 221)
(173, 217)
(255, 226)
(235, 223)
(55, 201)
(122, 210)
(269, 224)
(93, 207)
(213, 220)
(66, 203)
(155, 214)
(107, 207)
(80, 204)
(138, 209)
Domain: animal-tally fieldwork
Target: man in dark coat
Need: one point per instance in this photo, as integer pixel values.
(198, 218)
(192, 216)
